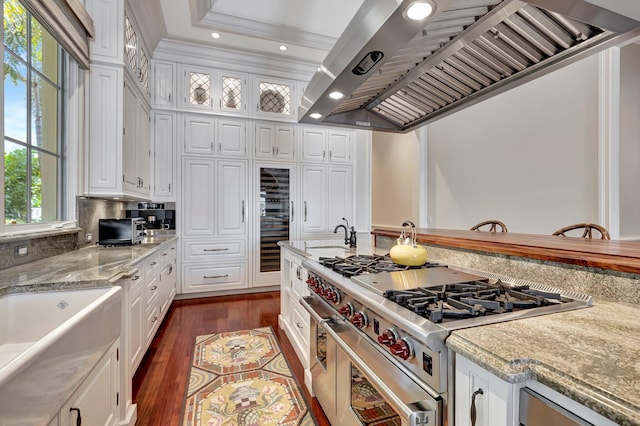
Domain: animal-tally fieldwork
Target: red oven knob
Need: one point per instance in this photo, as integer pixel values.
(326, 292)
(346, 310)
(402, 349)
(312, 282)
(360, 320)
(318, 289)
(334, 296)
(388, 337)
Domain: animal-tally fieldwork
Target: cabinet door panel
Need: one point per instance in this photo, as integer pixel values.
(163, 156)
(198, 135)
(143, 144)
(232, 138)
(232, 198)
(313, 145)
(285, 142)
(339, 144)
(198, 192)
(129, 178)
(339, 193)
(314, 199)
(264, 140)
(163, 84)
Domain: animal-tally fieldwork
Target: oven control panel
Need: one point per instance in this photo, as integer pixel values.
(404, 349)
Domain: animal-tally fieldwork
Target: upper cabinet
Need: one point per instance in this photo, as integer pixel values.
(275, 99)
(218, 91)
(322, 145)
(207, 135)
(274, 141)
(163, 85)
(118, 98)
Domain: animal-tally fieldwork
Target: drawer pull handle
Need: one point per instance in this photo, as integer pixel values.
(217, 276)
(164, 254)
(153, 263)
(79, 418)
(135, 278)
(217, 249)
(154, 319)
(298, 325)
(154, 288)
(473, 413)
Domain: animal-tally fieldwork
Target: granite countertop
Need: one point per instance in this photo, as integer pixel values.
(93, 266)
(589, 355)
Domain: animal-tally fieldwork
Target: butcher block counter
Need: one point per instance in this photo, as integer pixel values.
(588, 355)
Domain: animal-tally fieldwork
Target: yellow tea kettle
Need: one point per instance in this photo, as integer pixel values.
(407, 252)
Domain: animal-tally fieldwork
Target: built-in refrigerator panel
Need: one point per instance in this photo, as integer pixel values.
(275, 221)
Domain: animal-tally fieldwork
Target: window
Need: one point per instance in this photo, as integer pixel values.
(32, 119)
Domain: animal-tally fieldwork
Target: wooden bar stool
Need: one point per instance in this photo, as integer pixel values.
(492, 224)
(587, 230)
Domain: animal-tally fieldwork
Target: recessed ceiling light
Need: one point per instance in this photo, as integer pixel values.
(283, 47)
(419, 10)
(315, 115)
(336, 95)
(215, 35)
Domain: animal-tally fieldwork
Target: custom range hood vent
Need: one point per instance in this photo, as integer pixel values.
(396, 74)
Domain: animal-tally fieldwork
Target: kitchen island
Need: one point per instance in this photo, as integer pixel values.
(587, 355)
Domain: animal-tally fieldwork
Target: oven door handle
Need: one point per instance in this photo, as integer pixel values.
(424, 411)
(317, 312)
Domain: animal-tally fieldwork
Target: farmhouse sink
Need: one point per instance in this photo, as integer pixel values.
(49, 342)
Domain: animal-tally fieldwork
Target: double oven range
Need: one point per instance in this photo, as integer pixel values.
(378, 331)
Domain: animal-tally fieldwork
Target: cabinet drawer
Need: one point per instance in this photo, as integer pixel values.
(300, 323)
(199, 250)
(151, 292)
(153, 322)
(199, 278)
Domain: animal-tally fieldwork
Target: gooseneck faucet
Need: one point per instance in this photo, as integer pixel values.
(350, 239)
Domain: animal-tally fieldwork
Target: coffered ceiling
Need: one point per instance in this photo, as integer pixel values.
(308, 28)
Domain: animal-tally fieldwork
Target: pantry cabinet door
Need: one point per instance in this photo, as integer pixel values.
(314, 199)
(164, 157)
(198, 190)
(232, 198)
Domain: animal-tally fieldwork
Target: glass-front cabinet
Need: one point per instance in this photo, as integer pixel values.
(275, 219)
(217, 91)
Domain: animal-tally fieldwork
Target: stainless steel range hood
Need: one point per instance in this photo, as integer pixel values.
(398, 74)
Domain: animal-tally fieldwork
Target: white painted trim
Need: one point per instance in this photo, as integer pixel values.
(362, 173)
(423, 186)
(609, 141)
(231, 60)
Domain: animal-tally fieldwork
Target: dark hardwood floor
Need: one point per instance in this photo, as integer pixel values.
(160, 382)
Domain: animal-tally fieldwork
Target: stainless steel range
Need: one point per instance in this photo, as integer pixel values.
(378, 332)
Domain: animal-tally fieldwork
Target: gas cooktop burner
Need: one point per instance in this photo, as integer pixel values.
(470, 299)
(367, 264)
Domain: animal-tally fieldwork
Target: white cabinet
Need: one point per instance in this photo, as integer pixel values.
(198, 197)
(119, 136)
(275, 141)
(218, 91)
(163, 84)
(232, 137)
(326, 197)
(323, 145)
(230, 275)
(231, 194)
(293, 319)
(198, 134)
(275, 99)
(95, 402)
(164, 157)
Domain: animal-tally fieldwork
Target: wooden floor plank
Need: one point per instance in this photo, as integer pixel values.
(160, 382)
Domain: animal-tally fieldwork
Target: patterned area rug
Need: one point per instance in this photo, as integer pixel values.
(242, 378)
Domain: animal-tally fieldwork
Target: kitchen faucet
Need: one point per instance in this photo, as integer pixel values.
(350, 239)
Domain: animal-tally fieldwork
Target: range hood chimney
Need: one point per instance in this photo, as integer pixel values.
(396, 74)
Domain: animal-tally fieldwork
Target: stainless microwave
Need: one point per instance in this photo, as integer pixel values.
(120, 232)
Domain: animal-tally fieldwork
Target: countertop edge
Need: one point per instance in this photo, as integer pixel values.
(520, 370)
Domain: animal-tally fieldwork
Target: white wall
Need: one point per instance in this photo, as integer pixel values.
(527, 157)
(630, 142)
